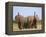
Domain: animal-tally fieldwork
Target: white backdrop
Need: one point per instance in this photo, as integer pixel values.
(2, 18)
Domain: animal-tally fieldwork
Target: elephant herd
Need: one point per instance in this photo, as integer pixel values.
(26, 22)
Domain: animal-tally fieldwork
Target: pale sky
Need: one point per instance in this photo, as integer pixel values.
(27, 11)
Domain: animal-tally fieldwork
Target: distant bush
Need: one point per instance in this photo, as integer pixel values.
(39, 22)
(14, 22)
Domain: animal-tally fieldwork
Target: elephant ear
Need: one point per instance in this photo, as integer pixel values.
(37, 18)
(16, 18)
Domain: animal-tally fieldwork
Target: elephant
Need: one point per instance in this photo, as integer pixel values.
(32, 21)
(20, 21)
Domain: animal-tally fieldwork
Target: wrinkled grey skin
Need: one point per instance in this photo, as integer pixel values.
(32, 22)
(20, 20)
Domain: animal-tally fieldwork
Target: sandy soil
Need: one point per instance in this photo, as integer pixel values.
(15, 28)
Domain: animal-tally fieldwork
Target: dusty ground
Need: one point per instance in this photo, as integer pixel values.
(15, 28)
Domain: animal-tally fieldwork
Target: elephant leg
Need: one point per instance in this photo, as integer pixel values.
(19, 25)
(31, 25)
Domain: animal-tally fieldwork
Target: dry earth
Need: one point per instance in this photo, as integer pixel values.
(15, 28)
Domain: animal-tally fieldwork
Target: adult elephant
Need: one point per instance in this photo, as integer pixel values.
(20, 21)
(32, 21)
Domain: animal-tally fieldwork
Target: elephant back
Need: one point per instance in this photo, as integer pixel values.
(19, 18)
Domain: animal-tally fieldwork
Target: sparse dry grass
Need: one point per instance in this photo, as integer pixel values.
(15, 27)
